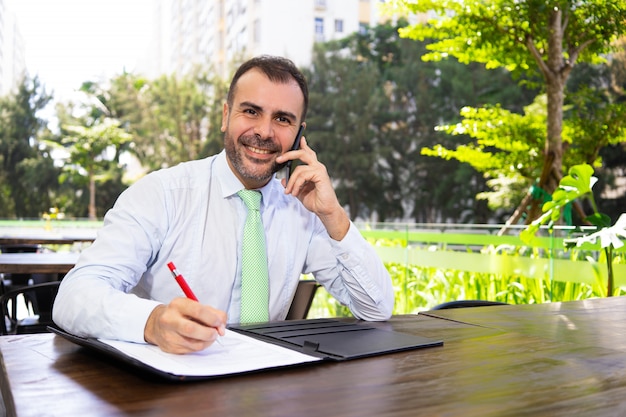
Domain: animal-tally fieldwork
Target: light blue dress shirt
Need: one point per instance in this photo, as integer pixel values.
(191, 215)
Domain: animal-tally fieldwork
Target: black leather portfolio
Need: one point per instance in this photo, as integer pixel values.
(335, 339)
(260, 347)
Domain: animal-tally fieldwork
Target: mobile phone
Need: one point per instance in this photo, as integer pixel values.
(288, 166)
(295, 146)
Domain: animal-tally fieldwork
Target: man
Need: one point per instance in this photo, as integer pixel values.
(191, 215)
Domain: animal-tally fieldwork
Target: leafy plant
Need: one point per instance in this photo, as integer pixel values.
(536, 38)
(578, 185)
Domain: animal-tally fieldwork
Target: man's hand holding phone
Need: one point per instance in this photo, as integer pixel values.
(311, 184)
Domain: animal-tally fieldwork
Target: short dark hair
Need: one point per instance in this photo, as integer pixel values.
(277, 69)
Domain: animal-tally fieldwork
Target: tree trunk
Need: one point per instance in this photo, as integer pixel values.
(92, 197)
(555, 71)
(555, 86)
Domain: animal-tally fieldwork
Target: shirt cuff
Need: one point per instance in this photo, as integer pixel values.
(343, 248)
(131, 322)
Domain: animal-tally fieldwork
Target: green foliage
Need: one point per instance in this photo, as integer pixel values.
(595, 119)
(161, 122)
(508, 147)
(578, 185)
(90, 149)
(507, 150)
(26, 167)
(420, 288)
(172, 118)
(546, 38)
(499, 33)
(87, 145)
(346, 105)
(374, 104)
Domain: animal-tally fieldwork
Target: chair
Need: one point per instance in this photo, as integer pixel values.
(305, 292)
(466, 303)
(38, 299)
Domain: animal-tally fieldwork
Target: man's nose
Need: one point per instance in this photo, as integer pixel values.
(264, 128)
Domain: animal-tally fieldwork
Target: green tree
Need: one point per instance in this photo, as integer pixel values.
(93, 151)
(172, 119)
(384, 127)
(598, 102)
(506, 152)
(548, 36)
(345, 101)
(27, 170)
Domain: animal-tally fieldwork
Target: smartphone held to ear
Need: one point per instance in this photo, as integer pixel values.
(285, 170)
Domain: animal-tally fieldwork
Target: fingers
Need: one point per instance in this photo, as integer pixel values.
(184, 326)
(308, 173)
(304, 154)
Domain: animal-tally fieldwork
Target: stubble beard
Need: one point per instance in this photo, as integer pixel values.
(248, 168)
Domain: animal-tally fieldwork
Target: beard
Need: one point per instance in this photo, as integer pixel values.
(247, 167)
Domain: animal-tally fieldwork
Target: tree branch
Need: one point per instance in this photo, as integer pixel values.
(574, 52)
(543, 67)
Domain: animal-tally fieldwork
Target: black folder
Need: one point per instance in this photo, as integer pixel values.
(334, 339)
(319, 339)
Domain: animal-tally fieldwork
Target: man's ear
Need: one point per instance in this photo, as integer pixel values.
(224, 117)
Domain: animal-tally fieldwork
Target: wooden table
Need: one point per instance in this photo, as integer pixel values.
(37, 263)
(599, 322)
(557, 359)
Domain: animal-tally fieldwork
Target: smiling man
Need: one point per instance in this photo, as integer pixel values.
(192, 215)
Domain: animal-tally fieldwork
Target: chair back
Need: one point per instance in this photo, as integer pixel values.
(467, 303)
(301, 303)
(38, 299)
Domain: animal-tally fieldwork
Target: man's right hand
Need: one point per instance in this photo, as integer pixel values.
(184, 326)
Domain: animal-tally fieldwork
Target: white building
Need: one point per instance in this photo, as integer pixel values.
(12, 61)
(222, 32)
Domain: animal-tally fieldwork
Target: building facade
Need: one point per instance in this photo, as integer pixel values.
(12, 60)
(219, 34)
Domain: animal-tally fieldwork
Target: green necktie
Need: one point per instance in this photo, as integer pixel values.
(254, 275)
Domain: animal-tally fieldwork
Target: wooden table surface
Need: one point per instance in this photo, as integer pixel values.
(565, 322)
(558, 359)
(37, 263)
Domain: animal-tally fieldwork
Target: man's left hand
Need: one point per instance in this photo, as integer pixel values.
(311, 184)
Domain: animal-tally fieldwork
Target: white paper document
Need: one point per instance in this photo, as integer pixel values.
(233, 353)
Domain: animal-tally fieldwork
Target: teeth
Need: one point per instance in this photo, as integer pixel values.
(257, 150)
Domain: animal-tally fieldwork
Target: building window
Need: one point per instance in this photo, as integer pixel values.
(320, 4)
(339, 25)
(319, 29)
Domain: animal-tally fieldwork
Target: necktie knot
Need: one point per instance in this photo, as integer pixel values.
(251, 198)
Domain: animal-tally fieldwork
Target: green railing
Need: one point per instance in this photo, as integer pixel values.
(480, 249)
(434, 263)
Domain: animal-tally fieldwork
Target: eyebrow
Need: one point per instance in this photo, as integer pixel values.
(280, 113)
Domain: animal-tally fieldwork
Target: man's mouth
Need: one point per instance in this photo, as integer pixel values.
(258, 150)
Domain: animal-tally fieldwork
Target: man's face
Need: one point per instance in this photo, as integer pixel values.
(261, 125)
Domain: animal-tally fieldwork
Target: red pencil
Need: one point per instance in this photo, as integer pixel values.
(181, 281)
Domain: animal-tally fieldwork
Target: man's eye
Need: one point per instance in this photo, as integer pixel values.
(250, 111)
